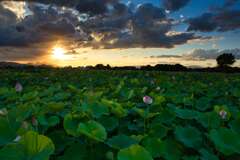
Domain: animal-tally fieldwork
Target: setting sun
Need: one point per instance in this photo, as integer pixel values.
(58, 53)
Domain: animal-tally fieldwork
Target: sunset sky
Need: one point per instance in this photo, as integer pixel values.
(119, 32)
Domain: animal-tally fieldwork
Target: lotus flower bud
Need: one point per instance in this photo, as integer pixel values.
(34, 121)
(147, 100)
(18, 87)
(158, 88)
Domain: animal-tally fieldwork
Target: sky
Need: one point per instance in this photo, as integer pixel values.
(119, 32)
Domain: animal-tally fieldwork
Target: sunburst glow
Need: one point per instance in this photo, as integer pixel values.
(58, 53)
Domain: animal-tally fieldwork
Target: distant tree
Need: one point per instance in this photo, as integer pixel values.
(99, 66)
(225, 60)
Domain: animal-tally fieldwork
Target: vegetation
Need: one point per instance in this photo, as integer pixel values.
(225, 59)
(67, 114)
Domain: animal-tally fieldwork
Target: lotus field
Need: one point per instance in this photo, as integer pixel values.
(71, 114)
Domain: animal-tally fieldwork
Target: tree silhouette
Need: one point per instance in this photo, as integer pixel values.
(225, 60)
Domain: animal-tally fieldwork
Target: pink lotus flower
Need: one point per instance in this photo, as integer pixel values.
(223, 114)
(18, 87)
(147, 100)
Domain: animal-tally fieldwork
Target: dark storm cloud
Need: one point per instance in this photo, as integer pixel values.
(70, 3)
(44, 25)
(6, 17)
(22, 53)
(61, 27)
(228, 20)
(229, 3)
(116, 27)
(148, 26)
(93, 7)
(222, 19)
(203, 23)
(174, 5)
(8, 32)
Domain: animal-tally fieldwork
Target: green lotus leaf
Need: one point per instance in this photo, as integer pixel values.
(209, 120)
(30, 96)
(70, 124)
(225, 140)
(75, 152)
(55, 106)
(170, 150)
(110, 156)
(12, 152)
(235, 125)
(158, 130)
(61, 96)
(121, 141)
(153, 145)
(23, 112)
(8, 130)
(207, 155)
(186, 113)
(134, 152)
(51, 121)
(98, 110)
(203, 103)
(115, 108)
(189, 136)
(32, 146)
(93, 130)
(60, 140)
(110, 123)
(166, 116)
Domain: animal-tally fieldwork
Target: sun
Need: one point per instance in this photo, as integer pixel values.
(58, 53)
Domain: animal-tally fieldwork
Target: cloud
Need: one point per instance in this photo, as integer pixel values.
(92, 7)
(61, 27)
(211, 54)
(222, 19)
(148, 26)
(202, 54)
(229, 3)
(68, 3)
(22, 53)
(203, 23)
(43, 25)
(174, 5)
(165, 56)
(7, 17)
(109, 24)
